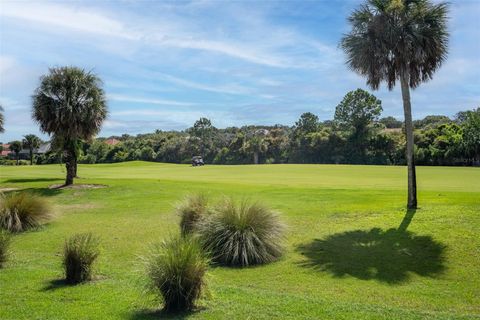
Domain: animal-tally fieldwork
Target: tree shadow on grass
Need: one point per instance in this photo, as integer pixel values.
(161, 314)
(45, 192)
(387, 256)
(23, 180)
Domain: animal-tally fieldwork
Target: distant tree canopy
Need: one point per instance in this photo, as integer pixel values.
(356, 114)
(357, 110)
(307, 123)
(307, 141)
(391, 122)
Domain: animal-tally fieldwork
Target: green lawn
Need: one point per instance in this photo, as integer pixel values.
(353, 250)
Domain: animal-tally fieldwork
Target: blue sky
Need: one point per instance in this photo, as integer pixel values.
(165, 64)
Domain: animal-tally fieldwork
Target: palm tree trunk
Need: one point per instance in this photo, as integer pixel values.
(255, 157)
(75, 167)
(31, 157)
(407, 109)
(70, 166)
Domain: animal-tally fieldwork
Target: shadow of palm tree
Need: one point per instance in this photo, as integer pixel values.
(387, 256)
(161, 314)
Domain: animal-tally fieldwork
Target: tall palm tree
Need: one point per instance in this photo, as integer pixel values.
(31, 142)
(16, 147)
(70, 105)
(403, 40)
(2, 129)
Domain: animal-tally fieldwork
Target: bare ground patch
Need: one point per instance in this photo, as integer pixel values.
(7, 189)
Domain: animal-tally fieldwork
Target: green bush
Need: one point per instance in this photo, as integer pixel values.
(242, 234)
(176, 269)
(5, 239)
(192, 210)
(79, 255)
(20, 211)
(7, 162)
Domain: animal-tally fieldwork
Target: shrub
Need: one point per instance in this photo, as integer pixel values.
(243, 234)
(5, 238)
(191, 211)
(176, 270)
(79, 255)
(22, 211)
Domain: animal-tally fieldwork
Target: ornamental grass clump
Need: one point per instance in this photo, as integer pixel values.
(21, 211)
(5, 239)
(243, 234)
(79, 255)
(192, 210)
(176, 270)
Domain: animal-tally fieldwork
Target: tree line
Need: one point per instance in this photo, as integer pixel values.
(356, 135)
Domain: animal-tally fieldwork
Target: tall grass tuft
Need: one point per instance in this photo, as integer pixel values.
(79, 254)
(176, 269)
(243, 234)
(192, 210)
(21, 211)
(5, 238)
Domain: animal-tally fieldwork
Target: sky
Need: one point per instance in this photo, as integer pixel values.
(165, 64)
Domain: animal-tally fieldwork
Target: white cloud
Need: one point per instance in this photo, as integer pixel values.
(119, 97)
(173, 32)
(66, 17)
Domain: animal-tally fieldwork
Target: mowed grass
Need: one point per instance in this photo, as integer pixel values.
(353, 250)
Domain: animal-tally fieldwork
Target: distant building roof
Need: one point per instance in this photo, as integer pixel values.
(112, 141)
(44, 148)
(5, 151)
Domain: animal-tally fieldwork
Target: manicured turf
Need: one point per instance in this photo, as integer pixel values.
(353, 250)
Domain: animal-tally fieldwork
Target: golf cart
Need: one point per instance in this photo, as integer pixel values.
(197, 161)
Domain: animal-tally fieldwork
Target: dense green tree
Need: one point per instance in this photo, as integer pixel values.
(462, 116)
(307, 123)
(471, 135)
(300, 150)
(204, 131)
(431, 121)
(403, 40)
(70, 105)
(31, 142)
(391, 122)
(16, 147)
(356, 114)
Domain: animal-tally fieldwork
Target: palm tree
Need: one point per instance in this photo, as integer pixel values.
(70, 105)
(2, 129)
(16, 147)
(31, 142)
(403, 40)
(256, 145)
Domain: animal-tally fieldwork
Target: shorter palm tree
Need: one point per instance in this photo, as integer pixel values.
(70, 105)
(16, 147)
(31, 142)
